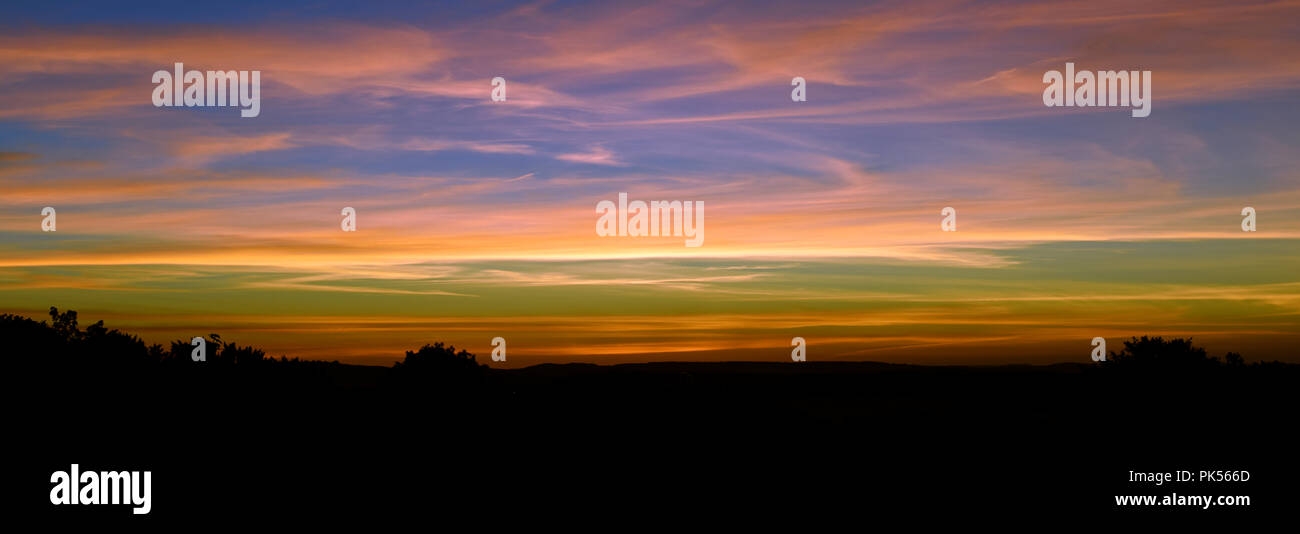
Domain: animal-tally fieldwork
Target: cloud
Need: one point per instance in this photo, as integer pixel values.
(597, 155)
(679, 101)
(204, 148)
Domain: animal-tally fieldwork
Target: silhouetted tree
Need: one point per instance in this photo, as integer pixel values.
(1233, 359)
(439, 366)
(64, 324)
(438, 357)
(236, 355)
(1159, 354)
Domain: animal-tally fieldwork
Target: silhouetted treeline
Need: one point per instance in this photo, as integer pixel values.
(59, 346)
(61, 342)
(441, 415)
(97, 361)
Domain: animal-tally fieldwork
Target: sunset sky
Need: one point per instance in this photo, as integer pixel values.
(476, 218)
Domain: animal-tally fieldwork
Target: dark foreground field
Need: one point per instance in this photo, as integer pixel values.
(442, 439)
(751, 441)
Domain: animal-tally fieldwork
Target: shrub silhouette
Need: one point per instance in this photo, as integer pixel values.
(1233, 359)
(438, 358)
(1158, 354)
(222, 353)
(440, 366)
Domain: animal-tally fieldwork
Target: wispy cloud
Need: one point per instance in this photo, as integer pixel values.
(598, 155)
(913, 106)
